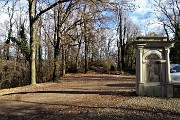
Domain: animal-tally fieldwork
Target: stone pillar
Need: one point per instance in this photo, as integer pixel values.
(140, 65)
(139, 69)
(168, 79)
(169, 86)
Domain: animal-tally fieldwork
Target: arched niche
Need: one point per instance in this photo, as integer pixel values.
(153, 68)
(156, 52)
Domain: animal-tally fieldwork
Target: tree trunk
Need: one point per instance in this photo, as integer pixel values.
(56, 42)
(33, 41)
(77, 56)
(123, 57)
(119, 57)
(56, 54)
(123, 50)
(85, 41)
(40, 72)
(119, 43)
(63, 61)
(86, 53)
(7, 44)
(92, 53)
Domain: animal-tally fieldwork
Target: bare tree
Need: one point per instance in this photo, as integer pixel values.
(33, 17)
(122, 8)
(63, 24)
(170, 17)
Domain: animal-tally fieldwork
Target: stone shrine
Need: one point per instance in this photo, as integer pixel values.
(153, 67)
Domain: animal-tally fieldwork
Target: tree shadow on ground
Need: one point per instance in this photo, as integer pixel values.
(129, 85)
(32, 112)
(38, 111)
(119, 93)
(100, 78)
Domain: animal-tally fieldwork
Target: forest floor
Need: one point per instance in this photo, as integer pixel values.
(85, 97)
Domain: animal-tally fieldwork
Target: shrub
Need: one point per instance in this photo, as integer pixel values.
(72, 69)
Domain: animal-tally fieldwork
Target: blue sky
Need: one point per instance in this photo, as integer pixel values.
(145, 17)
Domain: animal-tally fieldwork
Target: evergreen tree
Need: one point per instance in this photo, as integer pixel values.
(22, 43)
(175, 51)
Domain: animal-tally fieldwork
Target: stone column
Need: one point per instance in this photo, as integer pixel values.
(139, 64)
(169, 86)
(168, 78)
(139, 69)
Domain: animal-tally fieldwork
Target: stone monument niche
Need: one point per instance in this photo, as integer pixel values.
(153, 67)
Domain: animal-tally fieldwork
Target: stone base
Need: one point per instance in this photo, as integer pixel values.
(151, 89)
(169, 90)
(154, 90)
(176, 90)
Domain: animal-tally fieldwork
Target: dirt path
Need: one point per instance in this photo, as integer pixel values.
(85, 97)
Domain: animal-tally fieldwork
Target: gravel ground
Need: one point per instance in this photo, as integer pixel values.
(85, 97)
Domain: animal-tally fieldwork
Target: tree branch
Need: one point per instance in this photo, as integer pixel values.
(50, 7)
